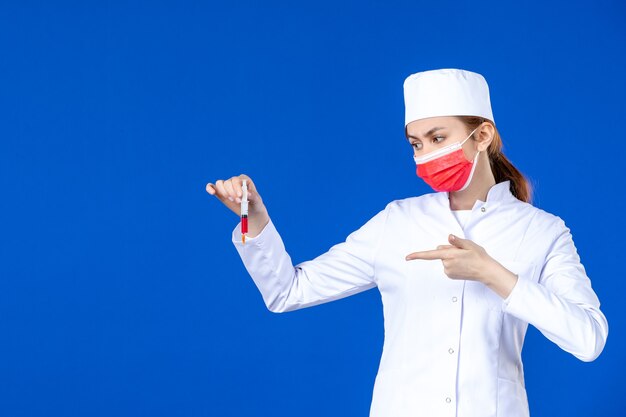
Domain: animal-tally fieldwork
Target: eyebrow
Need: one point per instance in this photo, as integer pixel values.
(430, 132)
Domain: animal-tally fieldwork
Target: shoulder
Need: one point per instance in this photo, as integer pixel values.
(397, 210)
(406, 204)
(541, 219)
(542, 216)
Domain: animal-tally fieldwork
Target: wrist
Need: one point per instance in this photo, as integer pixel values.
(491, 272)
(257, 222)
(499, 279)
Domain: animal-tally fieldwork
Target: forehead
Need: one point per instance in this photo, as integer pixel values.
(420, 127)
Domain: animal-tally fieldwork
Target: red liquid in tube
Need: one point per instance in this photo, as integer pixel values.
(244, 224)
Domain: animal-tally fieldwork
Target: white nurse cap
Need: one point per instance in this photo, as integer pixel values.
(446, 92)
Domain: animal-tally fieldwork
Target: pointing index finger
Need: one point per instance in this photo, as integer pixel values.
(428, 255)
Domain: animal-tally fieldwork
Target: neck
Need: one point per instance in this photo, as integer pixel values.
(478, 188)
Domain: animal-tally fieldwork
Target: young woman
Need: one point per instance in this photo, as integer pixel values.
(478, 264)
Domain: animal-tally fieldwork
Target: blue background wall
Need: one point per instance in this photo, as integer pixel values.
(120, 292)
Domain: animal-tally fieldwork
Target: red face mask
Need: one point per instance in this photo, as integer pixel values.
(447, 169)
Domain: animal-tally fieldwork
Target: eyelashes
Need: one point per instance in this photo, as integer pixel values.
(417, 145)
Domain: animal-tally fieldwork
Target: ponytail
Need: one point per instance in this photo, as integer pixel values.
(501, 167)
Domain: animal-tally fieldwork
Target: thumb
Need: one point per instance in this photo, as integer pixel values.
(460, 242)
(253, 195)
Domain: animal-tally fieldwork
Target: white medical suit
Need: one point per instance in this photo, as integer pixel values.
(451, 347)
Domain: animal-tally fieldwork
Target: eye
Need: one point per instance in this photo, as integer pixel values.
(416, 145)
(438, 139)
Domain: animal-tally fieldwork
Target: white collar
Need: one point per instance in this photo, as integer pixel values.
(497, 194)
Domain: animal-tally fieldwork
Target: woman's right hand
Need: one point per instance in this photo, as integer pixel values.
(229, 192)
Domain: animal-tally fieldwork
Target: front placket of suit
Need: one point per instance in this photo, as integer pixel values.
(455, 300)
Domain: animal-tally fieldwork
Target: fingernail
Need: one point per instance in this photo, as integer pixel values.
(452, 237)
(238, 200)
(231, 199)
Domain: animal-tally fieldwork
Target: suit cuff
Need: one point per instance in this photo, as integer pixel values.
(514, 304)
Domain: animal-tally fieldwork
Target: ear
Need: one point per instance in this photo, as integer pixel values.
(484, 135)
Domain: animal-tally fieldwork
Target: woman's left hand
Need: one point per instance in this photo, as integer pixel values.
(464, 259)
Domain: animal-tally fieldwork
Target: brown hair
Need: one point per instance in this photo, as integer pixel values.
(501, 167)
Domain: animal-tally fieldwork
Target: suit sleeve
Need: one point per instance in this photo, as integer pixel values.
(346, 269)
(562, 304)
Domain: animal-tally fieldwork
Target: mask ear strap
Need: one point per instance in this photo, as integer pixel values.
(470, 135)
(469, 179)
